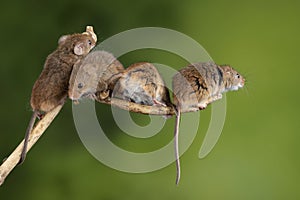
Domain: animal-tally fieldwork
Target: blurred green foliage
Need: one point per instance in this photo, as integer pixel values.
(257, 156)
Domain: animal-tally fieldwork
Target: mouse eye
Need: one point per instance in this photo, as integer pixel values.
(90, 42)
(237, 76)
(80, 85)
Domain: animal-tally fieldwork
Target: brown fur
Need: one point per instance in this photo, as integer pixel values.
(141, 83)
(97, 74)
(199, 84)
(50, 89)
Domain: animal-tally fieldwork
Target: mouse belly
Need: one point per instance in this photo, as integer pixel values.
(137, 96)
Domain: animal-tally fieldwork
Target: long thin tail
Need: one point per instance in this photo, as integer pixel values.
(28, 131)
(176, 134)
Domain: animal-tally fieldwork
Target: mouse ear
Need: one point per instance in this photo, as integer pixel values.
(226, 68)
(62, 39)
(78, 49)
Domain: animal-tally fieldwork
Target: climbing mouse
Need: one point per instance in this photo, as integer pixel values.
(50, 89)
(196, 86)
(95, 76)
(141, 83)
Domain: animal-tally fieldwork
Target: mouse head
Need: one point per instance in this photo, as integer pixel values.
(84, 45)
(231, 78)
(83, 81)
(87, 74)
(79, 44)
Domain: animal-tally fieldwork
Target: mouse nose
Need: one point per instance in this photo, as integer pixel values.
(243, 81)
(72, 95)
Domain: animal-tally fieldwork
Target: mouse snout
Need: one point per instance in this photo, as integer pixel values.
(243, 81)
(74, 96)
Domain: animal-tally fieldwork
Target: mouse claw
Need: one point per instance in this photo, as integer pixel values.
(159, 103)
(40, 116)
(91, 96)
(76, 102)
(104, 94)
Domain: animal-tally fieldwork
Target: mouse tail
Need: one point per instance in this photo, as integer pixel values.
(28, 131)
(176, 146)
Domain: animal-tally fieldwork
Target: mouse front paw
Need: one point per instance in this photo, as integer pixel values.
(104, 94)
(156, 102)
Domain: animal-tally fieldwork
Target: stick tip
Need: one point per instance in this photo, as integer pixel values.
(2, 178)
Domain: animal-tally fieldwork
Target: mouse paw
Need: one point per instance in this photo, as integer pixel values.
(217, 97)
(159, 103)
(104, 94)
(76, 102)
(40, 116)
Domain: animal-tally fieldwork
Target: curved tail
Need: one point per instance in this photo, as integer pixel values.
(176, 134)
(28, 131)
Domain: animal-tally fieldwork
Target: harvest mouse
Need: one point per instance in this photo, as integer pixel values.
(199, 84)
(50, 89)
(94, 76)
(141, 83)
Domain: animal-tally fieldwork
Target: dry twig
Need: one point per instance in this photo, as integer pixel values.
(138, 108)
(9, 164)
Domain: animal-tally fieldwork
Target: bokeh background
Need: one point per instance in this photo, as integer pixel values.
(257, 156)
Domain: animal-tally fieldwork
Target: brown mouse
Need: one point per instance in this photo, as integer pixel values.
(141, 83)
(198, 85)
(51, 87)
(94, 76)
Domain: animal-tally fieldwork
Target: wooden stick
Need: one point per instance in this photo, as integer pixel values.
(138, 108)
(9, 164)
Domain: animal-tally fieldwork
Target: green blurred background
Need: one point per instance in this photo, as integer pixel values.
(257, 156)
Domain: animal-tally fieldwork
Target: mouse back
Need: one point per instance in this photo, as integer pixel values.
(141, 83)
(191, 84)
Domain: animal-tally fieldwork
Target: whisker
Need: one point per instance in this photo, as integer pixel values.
(246, 90)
